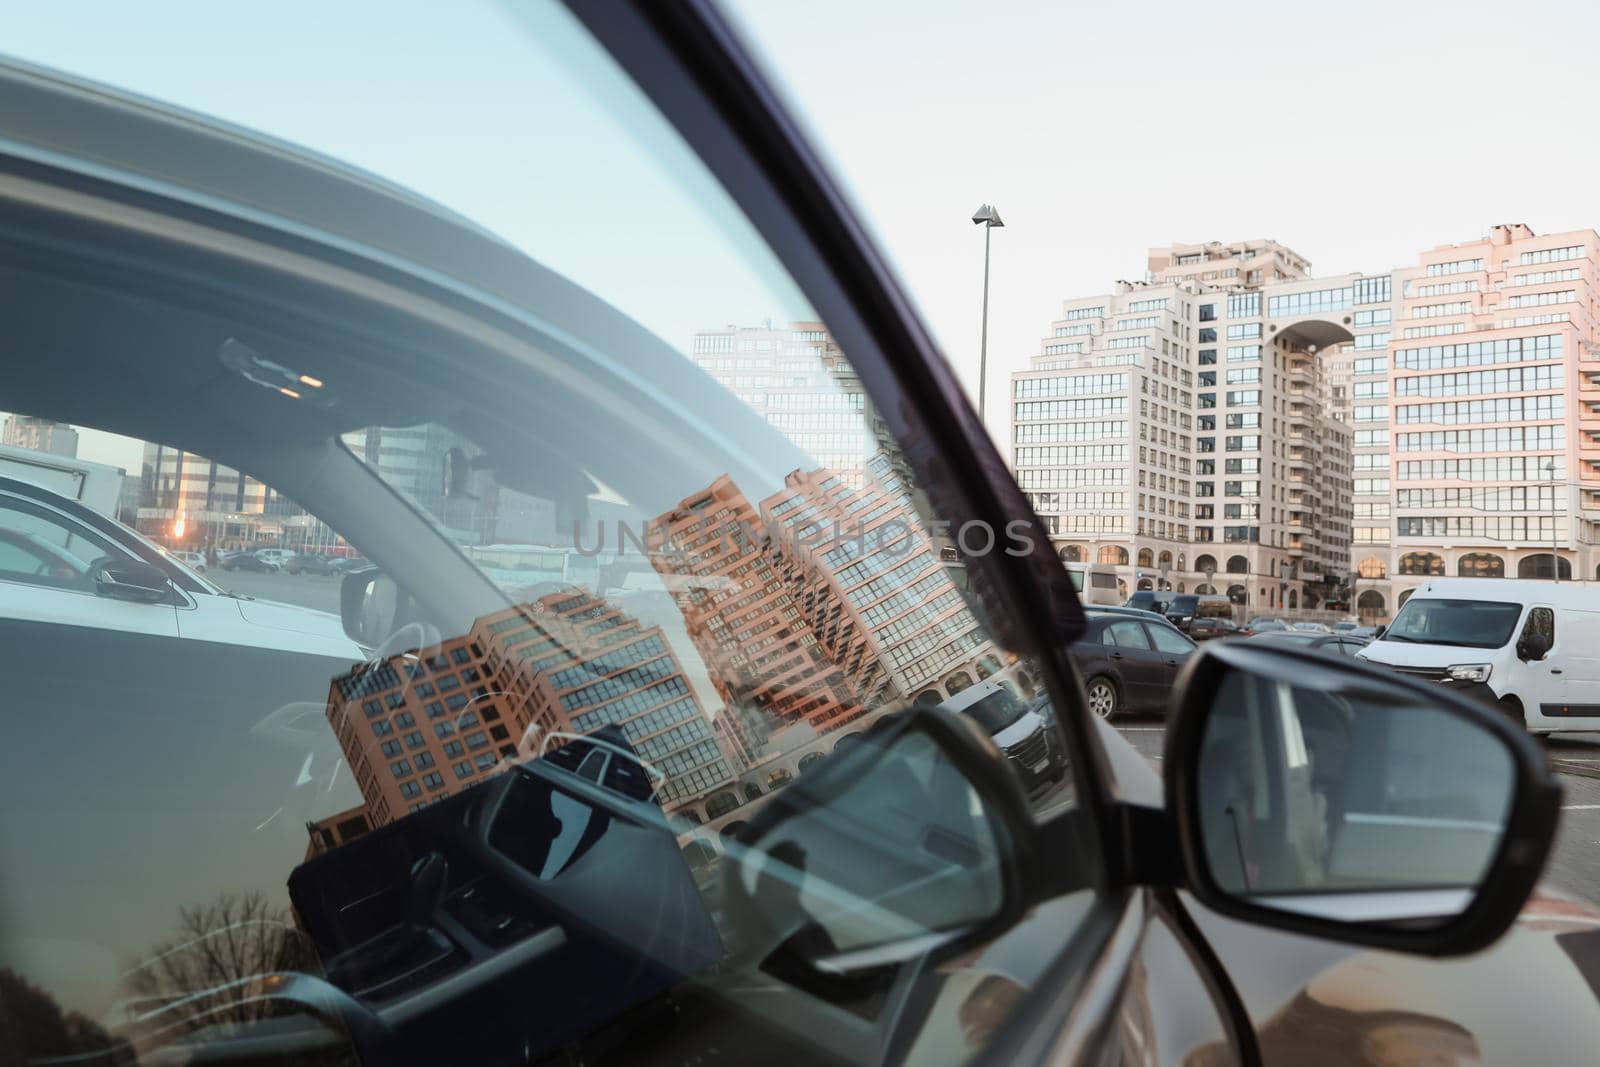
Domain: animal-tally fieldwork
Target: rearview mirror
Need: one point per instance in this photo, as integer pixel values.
(916, 836)
(1329, 798)
(130, 579)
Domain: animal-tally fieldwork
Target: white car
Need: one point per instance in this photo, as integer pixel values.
(63, 564)
(195, 561)
(279, 557)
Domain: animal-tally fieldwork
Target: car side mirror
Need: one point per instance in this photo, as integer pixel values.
(130, 579)
(1379, 632)
(1340, 801)
(914, 837)
(1533, 647)
(372, 606)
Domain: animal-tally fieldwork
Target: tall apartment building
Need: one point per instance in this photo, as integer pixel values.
(39, 435)
(219, 506)
(1486, 446)
(1177, 427)
(416, 727)
(1231, 416)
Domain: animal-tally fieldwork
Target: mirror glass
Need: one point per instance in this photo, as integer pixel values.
(883, 844)
(1364, 805)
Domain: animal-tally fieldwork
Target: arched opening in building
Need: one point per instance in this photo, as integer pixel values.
(987, 665)
(1113, 554)
(1481, 565)
(810, 760)
(1294, 599)
(1164, 560)
(1427, 563)
(1204, 589)
(720, 804)
(752, 790)
(1147, 557)
(1404, 596)
(733, 829)
(1122, 588)
(778, 778)
(1370, 604)
(1180, 561)
(1372, 567)
(928, 697)
(1071, 554)
(1236, 593)
(1180, 587)
(1145, 583)
(1206, 564)
(959, 681)
(1538, 566)
(1238, 565)
(689, 815)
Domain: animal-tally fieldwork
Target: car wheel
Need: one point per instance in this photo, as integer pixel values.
(1102, 694)
(1511, 708)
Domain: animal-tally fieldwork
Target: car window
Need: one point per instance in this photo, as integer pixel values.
(40, 547)
(654, 587)
(1167, 639)
(1541, 621)
(1125, 634)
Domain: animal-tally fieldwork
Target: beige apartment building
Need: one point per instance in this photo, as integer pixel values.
(1230, 422)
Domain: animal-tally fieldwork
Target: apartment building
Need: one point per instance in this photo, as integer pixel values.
(219, 507)
(39, 435)
(1230, 422)
(1177, 428)
(418, 726)
(1490, 464)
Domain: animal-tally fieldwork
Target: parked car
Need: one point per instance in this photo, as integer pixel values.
(1132, 613)
(1129, 664)
(1018, 730)
(1205, 629)
(250, 561)
(1530, 648)
(195, 561)
(386, 870)
(278, 557)
(1311, 628)
(1185, 608)
(1345, 627)
(1342, 644)
(1151, 600)
(312, 563)
(1263, 623)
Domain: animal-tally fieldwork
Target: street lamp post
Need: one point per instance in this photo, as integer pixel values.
(1555, 560)
(987, 217)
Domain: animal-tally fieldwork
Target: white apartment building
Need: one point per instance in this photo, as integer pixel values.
(1232, 423)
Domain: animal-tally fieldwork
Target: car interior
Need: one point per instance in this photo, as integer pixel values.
(186, 338)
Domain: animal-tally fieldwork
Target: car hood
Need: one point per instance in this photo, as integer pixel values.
(1408, 655)
(324, 628)
(1531, 997)
(1023, 727)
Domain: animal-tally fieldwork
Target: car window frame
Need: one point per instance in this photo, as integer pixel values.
(1152, 628)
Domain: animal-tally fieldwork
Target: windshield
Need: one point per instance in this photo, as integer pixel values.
(997, 711)
(1467, 623)
(1185, 604)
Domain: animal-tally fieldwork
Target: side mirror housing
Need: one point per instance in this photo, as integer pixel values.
(1533, 647)
(1379, 632)
(130, 579)
(371, 606)
(1329, 798)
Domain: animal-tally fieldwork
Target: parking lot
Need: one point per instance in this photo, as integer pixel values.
(306, 590)
(1574, 869)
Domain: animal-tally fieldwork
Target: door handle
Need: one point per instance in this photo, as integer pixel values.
(1555, 670)
(1174, 663)
(1116, 655)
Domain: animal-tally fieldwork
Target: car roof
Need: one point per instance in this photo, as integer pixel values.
(1566, 594)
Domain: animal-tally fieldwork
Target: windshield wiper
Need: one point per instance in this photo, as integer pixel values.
(1398, 637)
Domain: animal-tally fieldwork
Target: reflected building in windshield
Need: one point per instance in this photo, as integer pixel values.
(424, 724)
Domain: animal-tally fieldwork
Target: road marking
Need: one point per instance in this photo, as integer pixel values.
(1580, 807)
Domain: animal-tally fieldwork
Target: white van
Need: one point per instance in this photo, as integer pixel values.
(1095, 583)
(1533, 647)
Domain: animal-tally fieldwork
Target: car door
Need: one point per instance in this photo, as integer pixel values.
(1174, 650)
(1139, 668)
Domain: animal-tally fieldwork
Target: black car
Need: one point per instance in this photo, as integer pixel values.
(1151, 600)
(1129, 664)
(313, 563)
(249, 561)
(247, 855)
(1206, 629)
(1341, 644)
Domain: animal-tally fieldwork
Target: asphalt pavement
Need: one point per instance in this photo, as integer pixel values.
(1574, 866)
(306, 590)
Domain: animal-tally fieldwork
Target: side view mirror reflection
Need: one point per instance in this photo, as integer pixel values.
(1340, 801)
(129, 579)
(371, 606)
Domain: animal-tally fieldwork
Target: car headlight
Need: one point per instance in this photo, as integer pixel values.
(1469, 672)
